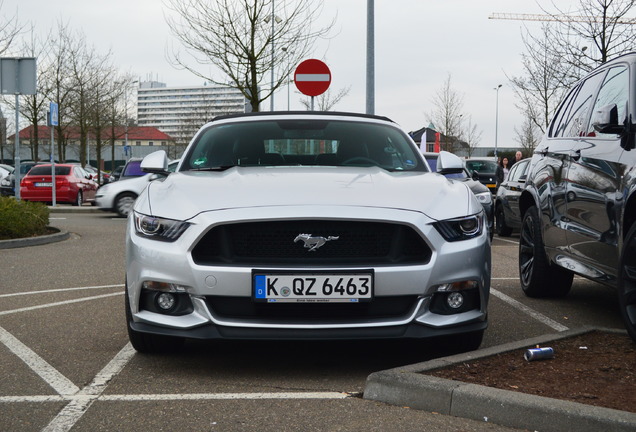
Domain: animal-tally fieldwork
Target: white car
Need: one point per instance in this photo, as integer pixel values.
(119, 196)
(305, 226)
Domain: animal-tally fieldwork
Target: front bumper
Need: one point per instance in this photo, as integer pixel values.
(150, 260)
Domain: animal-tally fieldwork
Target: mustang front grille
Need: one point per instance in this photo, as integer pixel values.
(311, 242)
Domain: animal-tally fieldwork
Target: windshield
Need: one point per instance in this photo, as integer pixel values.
(481, 166)
(302, 142)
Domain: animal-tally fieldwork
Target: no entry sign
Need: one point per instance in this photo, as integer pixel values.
(312, 77)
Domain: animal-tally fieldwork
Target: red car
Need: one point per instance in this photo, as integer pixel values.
(72, 184)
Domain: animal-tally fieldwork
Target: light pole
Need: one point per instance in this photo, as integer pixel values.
(275, 20)
(497, 118)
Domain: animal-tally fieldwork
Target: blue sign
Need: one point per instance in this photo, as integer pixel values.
(54, 114)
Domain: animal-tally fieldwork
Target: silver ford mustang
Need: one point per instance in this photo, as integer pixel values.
(305, 225)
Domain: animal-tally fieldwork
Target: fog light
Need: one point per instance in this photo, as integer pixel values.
(166, 301)
(455, 300)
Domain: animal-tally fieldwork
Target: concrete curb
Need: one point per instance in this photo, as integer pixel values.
(34, 241)
(410, 386)
(73, 209)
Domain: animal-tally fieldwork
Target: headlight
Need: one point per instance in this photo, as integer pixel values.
(461, 228)
(5, 182)
(484, 197)
(168, 230)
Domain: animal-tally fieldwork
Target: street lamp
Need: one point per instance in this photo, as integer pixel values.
(497, 118)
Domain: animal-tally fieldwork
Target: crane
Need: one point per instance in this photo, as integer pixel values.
(558, 18)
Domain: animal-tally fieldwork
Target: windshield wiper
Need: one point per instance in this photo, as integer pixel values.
(214, 168)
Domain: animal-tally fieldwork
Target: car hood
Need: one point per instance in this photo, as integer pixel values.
(183, 195)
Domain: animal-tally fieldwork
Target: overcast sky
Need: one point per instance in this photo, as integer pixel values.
(417, 44)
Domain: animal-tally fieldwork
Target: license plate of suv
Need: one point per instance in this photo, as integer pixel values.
(313, 287)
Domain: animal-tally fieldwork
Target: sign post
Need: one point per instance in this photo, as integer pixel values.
(312, 78)
(17, 76)
(53, 121)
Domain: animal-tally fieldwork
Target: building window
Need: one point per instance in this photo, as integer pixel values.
(137, 143)
(151, 143)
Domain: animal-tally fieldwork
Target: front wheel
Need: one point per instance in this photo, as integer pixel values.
(627, 282)
(538, 277)
(124, 204)
(147, 343)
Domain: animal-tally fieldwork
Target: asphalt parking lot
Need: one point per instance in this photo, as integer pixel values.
(67, 364)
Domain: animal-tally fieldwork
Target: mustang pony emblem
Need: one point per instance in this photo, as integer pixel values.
(313, 243)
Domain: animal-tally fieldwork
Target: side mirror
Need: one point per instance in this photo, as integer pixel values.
(156, 163)
(475, 175)
(448, 163)
(605, 120)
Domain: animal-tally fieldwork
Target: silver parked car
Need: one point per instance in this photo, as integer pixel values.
(305, 226)
(119, 196)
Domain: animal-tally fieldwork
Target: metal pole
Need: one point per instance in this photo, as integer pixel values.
(497, 117)
(16, 156)
(272, 96)
(53, 185)
(370, 59)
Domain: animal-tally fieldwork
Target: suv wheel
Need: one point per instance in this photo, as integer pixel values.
(538, 277)
(500, 223)
(627, 282)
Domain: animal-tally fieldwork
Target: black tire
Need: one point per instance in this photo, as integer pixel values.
(147, 343)
(79, 199)
(627, 282)
(124, 203)
(538, 277)
(503, 230)
(461, 343)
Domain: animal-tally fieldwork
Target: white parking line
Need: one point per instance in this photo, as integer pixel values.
(72, 412)
(30, 308)
(41, 367)
(225, 396)
(508, 241)
(533, 313)
(61, 290)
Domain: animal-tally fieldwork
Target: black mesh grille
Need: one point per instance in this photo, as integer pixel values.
(258, 243)
(246, 308)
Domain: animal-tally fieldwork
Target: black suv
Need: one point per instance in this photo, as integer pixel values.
(579, 204)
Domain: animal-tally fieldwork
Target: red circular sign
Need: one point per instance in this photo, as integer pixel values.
(312, 77)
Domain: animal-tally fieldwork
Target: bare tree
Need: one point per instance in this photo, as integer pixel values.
(10, 28)
(33, 107)
(327, 100)
(602, 27)
(544, 81)
(471, 135)
(528, 136)
(241, 37)
(447, 113)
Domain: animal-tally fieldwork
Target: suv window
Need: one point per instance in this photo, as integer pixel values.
(615, 90)
(573, 119)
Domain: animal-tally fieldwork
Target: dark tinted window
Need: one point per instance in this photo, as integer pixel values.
(46, 170)
(614, 91)
(574, 120)
(302, 142)
(133, 169)
(518, 170)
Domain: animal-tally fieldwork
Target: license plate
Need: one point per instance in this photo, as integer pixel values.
(313, 288)
(44, 184)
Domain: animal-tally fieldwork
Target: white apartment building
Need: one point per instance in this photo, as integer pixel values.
(181, 111)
